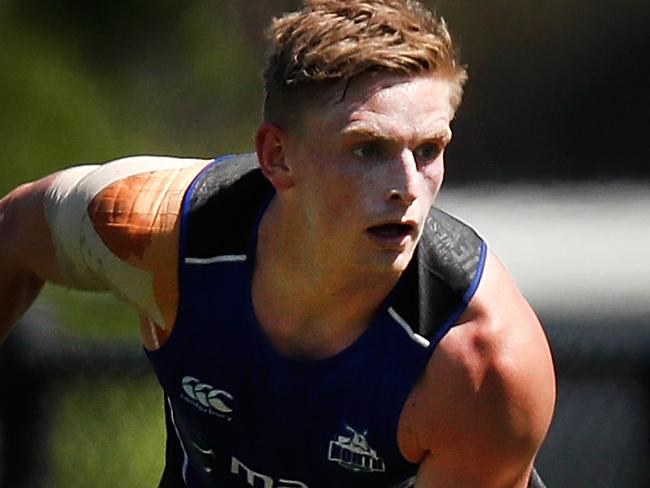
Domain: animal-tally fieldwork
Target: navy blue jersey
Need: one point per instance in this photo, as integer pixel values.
(241, 414)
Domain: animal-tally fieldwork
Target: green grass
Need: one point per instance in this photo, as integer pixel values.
(107, 433)
(91, 314)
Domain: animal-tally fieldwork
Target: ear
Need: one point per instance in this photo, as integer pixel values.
(270, 144)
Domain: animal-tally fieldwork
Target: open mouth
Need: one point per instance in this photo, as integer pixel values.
(391, 231)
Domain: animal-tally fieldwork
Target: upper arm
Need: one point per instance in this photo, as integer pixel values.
(115, 227)
(26, 241)
(490, 392)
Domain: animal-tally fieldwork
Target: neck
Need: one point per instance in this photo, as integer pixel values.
(307, 305)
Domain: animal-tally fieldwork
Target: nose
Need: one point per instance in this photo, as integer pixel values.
(404, 180)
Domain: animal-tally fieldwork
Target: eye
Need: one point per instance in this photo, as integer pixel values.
(368, 150)
(427, 152)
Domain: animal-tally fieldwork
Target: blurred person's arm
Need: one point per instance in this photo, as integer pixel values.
(104, 227)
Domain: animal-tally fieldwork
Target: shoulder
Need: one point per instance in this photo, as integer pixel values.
(488, 392)
(128, 204)
(134, 202)
(115, 226)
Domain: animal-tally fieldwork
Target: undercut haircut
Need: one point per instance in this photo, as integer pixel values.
(330, 41)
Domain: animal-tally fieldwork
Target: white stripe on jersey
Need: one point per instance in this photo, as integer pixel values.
(416, 337)
(228, 258)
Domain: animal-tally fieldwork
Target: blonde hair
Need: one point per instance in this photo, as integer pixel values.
(336, 40)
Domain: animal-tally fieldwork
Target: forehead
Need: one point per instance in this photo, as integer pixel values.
(378, 103)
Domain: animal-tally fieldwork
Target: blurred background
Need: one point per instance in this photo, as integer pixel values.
(550, 162)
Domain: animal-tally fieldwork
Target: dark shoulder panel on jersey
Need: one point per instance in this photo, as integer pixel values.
(226, 197)
(439, 283)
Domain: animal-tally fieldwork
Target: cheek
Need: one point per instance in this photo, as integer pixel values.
(433, 176)
(352, 195)
(327, 195)
(344, 180)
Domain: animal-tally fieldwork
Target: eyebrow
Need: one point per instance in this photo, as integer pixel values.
(443, 134)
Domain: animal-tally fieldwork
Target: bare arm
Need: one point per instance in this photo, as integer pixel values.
(27, 256)
(488, 394)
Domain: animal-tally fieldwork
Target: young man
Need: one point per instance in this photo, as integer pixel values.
(313, 320)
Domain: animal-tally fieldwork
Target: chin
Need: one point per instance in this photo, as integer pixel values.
(391, 263)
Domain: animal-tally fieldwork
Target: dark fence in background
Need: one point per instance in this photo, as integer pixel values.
(599, 437)
(35, 360)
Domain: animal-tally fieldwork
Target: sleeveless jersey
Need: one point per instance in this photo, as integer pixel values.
(239, 413)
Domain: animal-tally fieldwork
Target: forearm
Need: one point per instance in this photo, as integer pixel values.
(18, 290)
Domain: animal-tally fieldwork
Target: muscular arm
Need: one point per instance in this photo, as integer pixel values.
(110, 227)
(485, 403)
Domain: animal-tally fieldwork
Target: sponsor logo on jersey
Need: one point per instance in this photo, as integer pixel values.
(207, 398)
(352, 452)
(256, 479)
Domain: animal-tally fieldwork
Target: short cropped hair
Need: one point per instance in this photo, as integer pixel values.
(329, 41)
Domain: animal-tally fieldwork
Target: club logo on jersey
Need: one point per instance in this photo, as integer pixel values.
(207, 398)
(353, 452)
